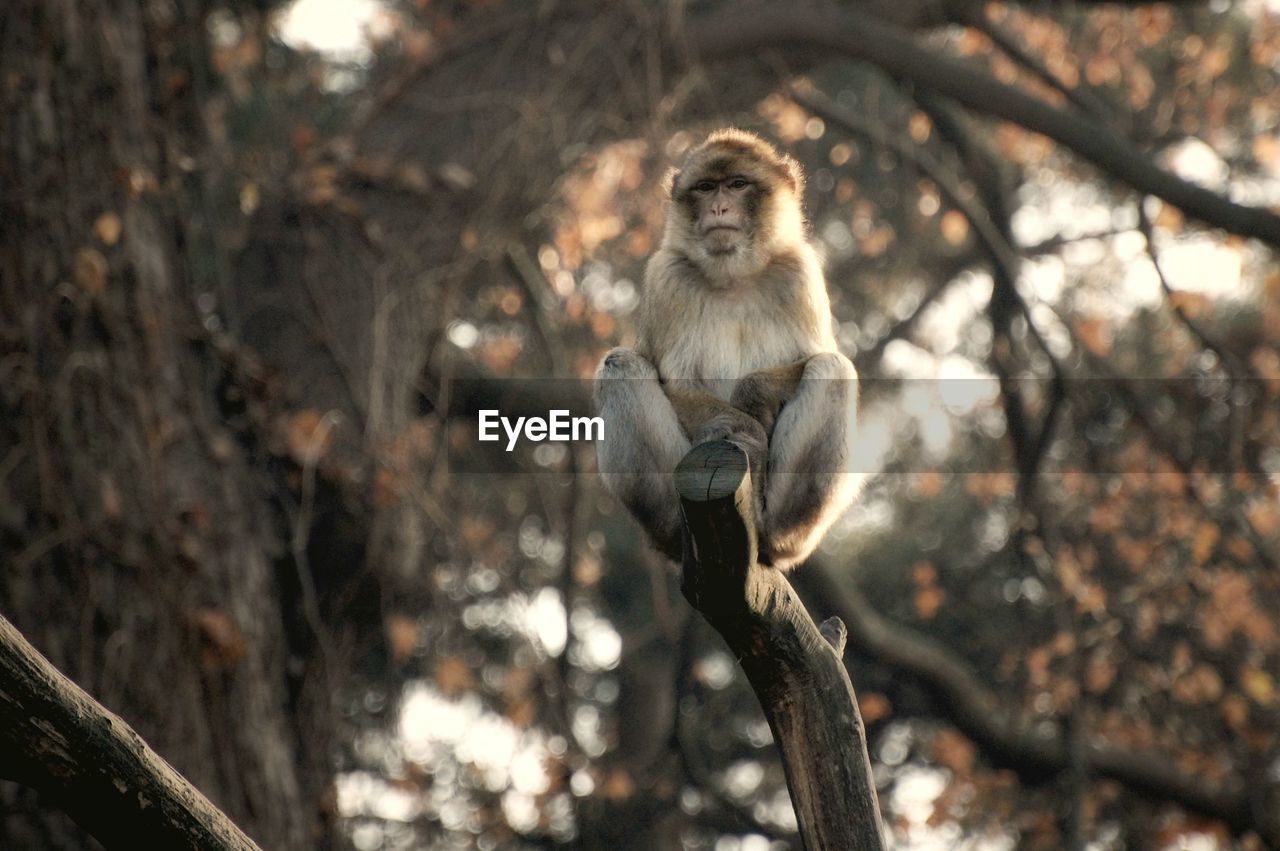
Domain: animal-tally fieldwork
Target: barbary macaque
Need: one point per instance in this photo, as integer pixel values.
(736, 342)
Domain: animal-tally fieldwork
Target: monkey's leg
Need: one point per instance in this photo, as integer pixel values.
(641, 446)
(705, 417)
(810, 481)
(761, 394)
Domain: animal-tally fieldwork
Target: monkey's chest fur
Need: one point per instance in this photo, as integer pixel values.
(724, 336)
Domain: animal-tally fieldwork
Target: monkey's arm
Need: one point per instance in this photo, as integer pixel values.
(642, 443)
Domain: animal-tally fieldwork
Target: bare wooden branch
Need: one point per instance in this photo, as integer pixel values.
(794, 669)
(58, 739)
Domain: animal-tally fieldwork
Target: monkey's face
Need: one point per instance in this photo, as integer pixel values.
(735, 205)
(725, 207)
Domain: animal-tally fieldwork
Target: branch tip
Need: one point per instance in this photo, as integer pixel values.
(836, 634)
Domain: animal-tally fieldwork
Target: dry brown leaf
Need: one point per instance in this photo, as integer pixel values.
(89, 271)
(955, 227)
(954, 751)
(402, 636)
(618, 786)
(1094, 335)
(928, 601)
(306, 436)
(874, 707)
(454, 676)
(522, 712)
(1258, 685)
(222, 644)
(107, 228)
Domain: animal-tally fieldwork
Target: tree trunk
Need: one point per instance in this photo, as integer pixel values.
(133, 538)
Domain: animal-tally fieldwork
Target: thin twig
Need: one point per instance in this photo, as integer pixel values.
(1081, 96)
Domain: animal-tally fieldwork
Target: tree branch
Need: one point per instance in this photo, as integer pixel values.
(732, 33)
(1080, 95)
(793, 668)
(58, 739)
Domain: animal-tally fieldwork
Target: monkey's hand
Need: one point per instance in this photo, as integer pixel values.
(705, 417)
(761, 394)
(625, 363)
(734, 426)
(749, 435)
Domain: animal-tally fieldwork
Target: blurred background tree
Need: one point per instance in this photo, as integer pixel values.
(247, 247)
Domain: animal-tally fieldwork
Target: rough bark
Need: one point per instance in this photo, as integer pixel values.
(57, 738)
(137, 543)
(794, 669)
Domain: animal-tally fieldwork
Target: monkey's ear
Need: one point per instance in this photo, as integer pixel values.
(795, 174)
(669, 181)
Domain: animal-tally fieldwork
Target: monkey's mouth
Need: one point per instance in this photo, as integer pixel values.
(728, 228)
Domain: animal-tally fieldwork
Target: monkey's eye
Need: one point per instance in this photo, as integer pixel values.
(704, 186)
(739, 183)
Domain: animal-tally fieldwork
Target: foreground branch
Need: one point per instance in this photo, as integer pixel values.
(92, 765)
(794, 669)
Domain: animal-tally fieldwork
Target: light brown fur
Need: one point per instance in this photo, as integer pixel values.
(735, 335)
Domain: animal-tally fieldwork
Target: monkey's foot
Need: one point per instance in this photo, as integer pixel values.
(711, 471)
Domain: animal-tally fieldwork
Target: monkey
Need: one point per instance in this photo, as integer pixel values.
(735, 341)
